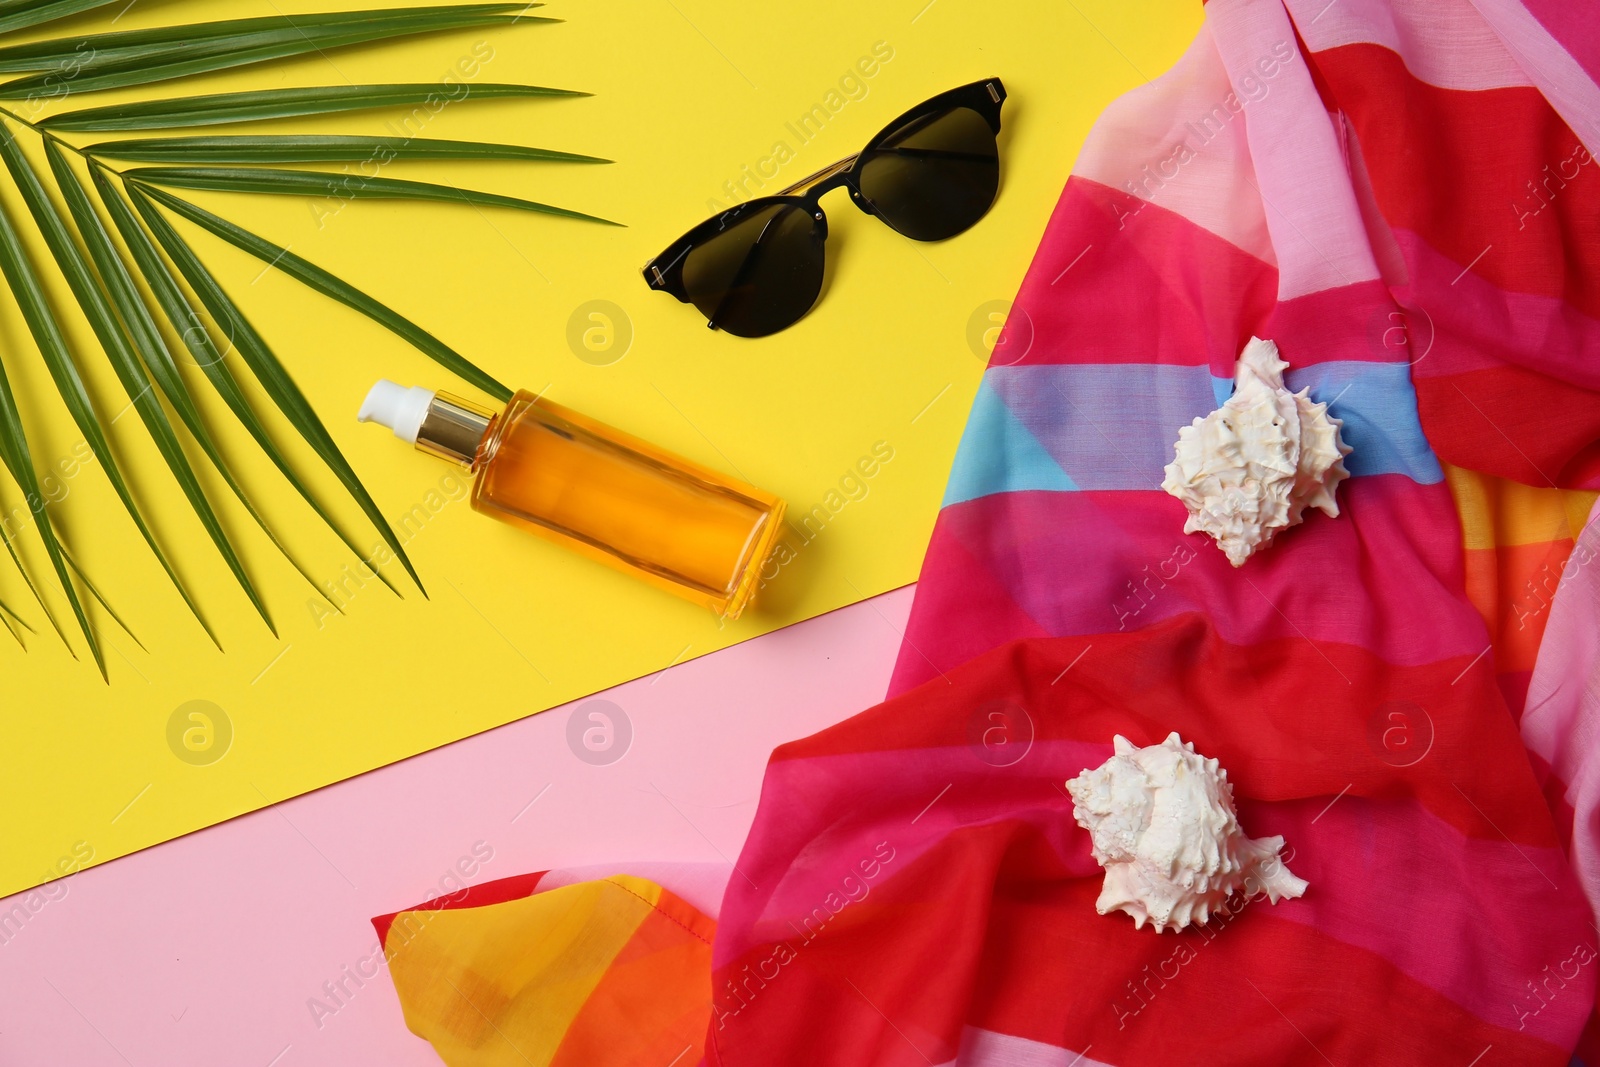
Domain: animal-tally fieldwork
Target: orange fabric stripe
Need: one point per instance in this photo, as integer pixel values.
(652, 1007)
(1525, 578)
(1517, 540)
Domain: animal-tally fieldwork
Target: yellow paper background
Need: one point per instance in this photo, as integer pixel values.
(688, 93)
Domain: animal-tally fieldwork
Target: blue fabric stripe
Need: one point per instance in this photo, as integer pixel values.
(999, 455)
(1109, 426)
(1112, 426)
(1221, 390)
(1379, 409)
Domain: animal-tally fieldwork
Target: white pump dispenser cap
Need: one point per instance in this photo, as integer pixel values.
(399, 408)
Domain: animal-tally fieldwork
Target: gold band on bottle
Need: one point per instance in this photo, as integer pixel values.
(453, 429)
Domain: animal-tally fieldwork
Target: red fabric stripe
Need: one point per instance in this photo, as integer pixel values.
(473, 896)
(1345, 846)
(1555, 795)
(1514, 687)
(1497, 203)
(1257, 989)
(1308, 732)
(1514, 423)
(1583, 469)
(1495, 141)
(1176, 295)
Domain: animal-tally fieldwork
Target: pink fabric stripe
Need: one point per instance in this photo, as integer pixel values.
(989, 610)
(1562, 722)
(1311, 211)
(1443, 42)
(921, 801)
(1460, 322)
(1380, 235)
(1179, 143)
(1133, 566)
(1482, 964)
(985, 1048)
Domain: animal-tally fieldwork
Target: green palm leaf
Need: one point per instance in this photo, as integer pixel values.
(11, 613)
(123, 45)
(347, 187)
(26, 286)
(114, 338)
(211, 360)
(329, 285)
(263, 104)
(155, 356)
(11, 550)
(109, 332)
(19, 461)
(125, 275)
(267, 370)
(318, 148)
(12, 621)
(184, 51)
(14, 441)
(94, 591)
(20, 14)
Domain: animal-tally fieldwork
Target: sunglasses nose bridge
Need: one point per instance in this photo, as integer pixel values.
(844, 180)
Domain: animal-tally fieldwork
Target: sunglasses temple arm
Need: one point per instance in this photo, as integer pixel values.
(845, 164)
(826, 172)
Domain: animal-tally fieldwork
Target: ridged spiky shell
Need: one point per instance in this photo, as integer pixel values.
(1251, 468)
(1162, 824)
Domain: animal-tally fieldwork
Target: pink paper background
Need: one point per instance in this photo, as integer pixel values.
(207, 950)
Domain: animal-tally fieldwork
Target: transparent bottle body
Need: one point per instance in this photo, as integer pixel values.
(622, 501)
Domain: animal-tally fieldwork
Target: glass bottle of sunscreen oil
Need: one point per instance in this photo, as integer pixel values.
(594, 489)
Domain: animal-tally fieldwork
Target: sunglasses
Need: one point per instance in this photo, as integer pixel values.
(757, 267)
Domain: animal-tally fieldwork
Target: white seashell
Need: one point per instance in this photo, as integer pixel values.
(1252, 467)
(1164, 829)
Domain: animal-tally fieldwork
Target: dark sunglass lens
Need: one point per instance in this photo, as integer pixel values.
(935, 176)
(760, 274)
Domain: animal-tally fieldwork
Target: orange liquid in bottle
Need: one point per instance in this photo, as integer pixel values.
(625, 502)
